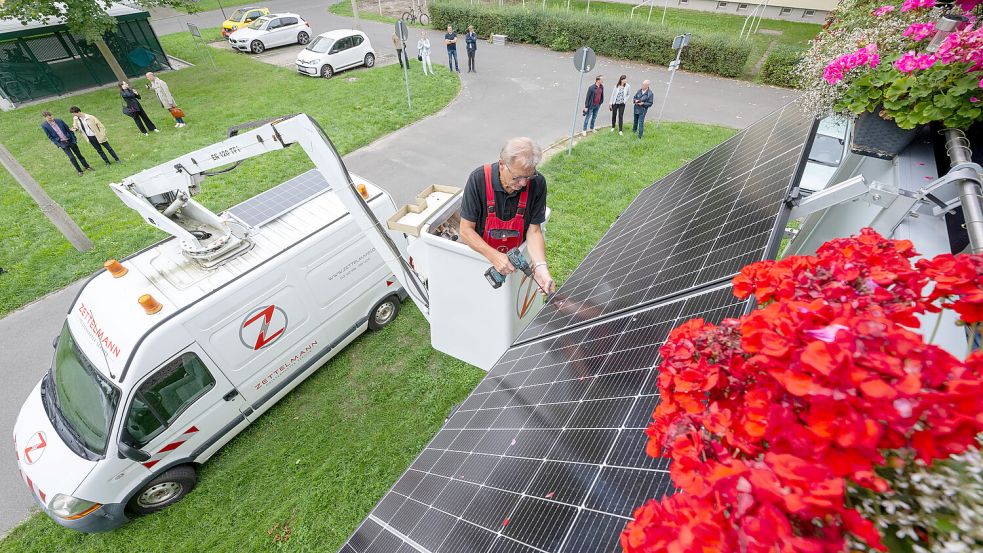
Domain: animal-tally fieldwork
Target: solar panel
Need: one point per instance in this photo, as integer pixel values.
(547, 454)
(696, 226)
(280, 199)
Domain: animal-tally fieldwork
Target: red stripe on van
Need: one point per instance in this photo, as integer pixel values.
(191, 430)
(42, 496)
(171, 446)
(150, 464)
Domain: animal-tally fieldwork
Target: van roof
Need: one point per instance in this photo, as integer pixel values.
(106, 319)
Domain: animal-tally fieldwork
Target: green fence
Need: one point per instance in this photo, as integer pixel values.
(52, 61)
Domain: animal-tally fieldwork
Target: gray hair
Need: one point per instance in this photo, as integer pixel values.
(521, 149)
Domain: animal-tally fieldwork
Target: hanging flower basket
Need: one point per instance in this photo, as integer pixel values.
(874, 136)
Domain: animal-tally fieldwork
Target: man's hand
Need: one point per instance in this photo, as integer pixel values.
(501, 263)
(545, 281)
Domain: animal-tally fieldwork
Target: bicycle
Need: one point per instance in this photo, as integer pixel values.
(412, 17)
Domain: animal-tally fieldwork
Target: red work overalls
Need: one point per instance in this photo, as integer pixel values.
(499, 234)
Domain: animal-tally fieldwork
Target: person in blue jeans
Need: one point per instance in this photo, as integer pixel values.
(593, 101)
(471, 45)
(450, 39)
(643, 101)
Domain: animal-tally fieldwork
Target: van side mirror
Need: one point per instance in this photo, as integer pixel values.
(128, 451)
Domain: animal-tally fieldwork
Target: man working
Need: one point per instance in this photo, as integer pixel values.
(60, 135)
(504, 204)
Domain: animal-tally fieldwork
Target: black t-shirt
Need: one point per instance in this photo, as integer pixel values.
(474, 207)
(451, 36)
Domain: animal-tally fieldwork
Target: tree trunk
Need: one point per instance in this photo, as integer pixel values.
(107, 54)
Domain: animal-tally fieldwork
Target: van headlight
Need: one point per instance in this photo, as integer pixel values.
(71, 508)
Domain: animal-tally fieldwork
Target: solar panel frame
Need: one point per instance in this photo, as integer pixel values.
(559, 471)
(280, 199)
(658, 226)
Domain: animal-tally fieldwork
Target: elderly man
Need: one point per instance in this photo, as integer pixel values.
(643, 101)
(505, 204)
(160, 88)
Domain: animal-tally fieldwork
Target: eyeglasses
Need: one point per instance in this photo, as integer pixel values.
(523, 178)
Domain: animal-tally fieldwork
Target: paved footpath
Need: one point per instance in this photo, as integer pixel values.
(518, 90)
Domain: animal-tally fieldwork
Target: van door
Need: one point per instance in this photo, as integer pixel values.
(182, 408)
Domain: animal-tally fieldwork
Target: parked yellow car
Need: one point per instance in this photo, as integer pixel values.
(240, 18)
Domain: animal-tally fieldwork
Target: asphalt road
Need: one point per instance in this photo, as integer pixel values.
(518, 90)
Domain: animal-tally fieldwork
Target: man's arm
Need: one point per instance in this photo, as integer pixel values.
(471, 237)
(536, 243)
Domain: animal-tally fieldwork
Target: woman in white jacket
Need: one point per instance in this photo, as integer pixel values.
(620, 97)
(423, 47)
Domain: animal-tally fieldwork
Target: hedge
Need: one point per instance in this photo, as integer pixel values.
(779, 68)
(608, 36)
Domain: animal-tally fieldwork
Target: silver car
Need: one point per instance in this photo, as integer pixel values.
(270, 31)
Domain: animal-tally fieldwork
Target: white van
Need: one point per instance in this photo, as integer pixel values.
(162, 360)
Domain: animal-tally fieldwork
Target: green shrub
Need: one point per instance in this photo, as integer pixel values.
(609, 36)
(779, 66)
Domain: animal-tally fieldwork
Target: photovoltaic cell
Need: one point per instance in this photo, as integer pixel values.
(280, 199)
(698, 225)
(548, 453)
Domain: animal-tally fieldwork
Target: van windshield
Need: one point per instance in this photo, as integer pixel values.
(321, 45)
(83, 397)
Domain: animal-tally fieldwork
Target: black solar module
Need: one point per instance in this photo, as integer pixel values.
(547, 454)
(696, 226)
(280, 199)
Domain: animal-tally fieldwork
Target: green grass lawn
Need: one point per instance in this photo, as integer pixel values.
(39, 260)
(206, 5)
(320, 459)
(365, 11)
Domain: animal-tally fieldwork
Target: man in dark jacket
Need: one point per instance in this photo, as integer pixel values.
(643, 101)
(60, 135)
(593, 101)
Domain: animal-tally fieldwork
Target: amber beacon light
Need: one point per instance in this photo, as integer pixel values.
(115, 268)
(149, 304)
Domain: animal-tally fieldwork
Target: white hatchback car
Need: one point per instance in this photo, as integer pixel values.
(271, 30)
(333, 51)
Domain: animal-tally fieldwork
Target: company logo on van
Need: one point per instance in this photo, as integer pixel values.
(35, 448)
(262, 327)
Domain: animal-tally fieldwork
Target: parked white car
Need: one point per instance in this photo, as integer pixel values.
(270, 31)
(333, 51)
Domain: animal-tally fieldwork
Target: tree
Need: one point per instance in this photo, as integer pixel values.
(87, 18)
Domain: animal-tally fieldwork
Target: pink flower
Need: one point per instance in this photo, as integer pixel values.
(885, 10)
(920, 31)
(906, 63)
(917, 4)
(867, 55)
(968, 5)
(981, 83)
(973, 99)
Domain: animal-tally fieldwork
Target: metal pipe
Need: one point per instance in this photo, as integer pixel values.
(957, 147)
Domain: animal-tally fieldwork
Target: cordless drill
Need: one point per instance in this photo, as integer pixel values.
(496, 279)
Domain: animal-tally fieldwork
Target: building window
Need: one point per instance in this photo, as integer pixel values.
(785, 11)
(808, 13)
(721, 4)
(741, 7)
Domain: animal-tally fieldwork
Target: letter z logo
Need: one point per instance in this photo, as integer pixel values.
(255, 332)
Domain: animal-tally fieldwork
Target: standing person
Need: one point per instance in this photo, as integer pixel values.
(132, 107)
(450, 39)
(166, 100)
(471, 45)
(504, 205)
(592, 102)
(423, 47)
(643, 101)
(398, 45)
(620, 96)
(60, 135)
(94, 130)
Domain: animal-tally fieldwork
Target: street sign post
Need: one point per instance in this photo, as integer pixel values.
(404, 33)
(584, 60)
(678, 43)
(200, 43)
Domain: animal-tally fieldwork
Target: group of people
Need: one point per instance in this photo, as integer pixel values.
(63, 136)
(641, 101)
(450, 41)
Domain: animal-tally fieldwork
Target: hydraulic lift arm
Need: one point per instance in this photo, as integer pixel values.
(163, 196)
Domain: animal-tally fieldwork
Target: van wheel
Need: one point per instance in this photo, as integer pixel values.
(384, 312)
(165, 490)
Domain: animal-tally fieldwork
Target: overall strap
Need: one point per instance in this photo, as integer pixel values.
(489, 190)
(523, 197)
